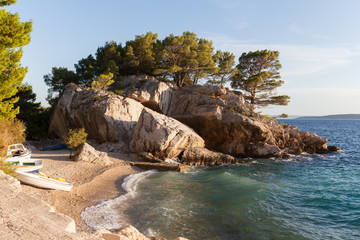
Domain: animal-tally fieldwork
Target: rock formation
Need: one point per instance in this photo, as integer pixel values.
(88, 154)
(106, 117)
(222, 120)
(162, 136)
(203, 156)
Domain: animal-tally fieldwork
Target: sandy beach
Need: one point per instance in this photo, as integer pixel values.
(92, 182)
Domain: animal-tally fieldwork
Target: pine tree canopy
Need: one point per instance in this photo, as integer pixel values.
(258, 75)
(13, 35)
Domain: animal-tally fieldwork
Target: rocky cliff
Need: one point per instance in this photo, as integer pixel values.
(206, 116)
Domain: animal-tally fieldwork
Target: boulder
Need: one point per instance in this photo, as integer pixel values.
(203, 156)
(263, 150)
(333, 148)
(162, 136)
(132, 233)
(88, 154)
(106, 117)
(150, 92)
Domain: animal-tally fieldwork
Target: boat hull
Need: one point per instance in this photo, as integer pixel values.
(25, 164)
(43, 182)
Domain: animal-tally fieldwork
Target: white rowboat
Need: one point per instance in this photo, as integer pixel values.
(43, 182)
(25, 164)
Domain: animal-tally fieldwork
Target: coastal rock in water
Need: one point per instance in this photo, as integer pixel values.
(297, 141)
(263, 150)
(203, 156)
(88, 154)
(106, 117)
(163, 136)
(333, 148)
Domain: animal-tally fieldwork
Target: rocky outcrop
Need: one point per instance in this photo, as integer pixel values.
(26, 217)
(150, 92)
(87, 153)
(222, 119)
(203, 156)
(106, 117)
(162, 136)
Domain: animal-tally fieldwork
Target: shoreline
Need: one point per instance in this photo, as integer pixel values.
(93, 182)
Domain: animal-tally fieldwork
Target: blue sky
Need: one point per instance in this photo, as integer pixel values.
(318, 41)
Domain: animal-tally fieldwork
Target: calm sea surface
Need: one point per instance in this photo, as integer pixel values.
(308, 197)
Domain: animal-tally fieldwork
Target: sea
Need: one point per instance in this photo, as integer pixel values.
(306, 197)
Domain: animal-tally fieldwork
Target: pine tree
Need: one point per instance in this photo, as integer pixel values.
(258, 75)
(225, 70)
(184, 58)
(13, 35)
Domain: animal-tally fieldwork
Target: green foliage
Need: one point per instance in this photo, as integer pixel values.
(139, 54)
(184, 58)
(268, 118)
(258, 75)
(7, 168)
(35, 117)
(224, 68)
(57, 80)
(119, 92)
(6, 2)
(26, 103)
(75, 138)
(11, 131)
(13, 35)
(103, 82)
(284, 115)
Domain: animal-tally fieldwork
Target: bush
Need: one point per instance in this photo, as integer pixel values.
(75, 138)
(7, 168)
(11, 131)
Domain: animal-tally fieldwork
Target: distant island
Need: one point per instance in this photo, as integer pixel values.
(332, 117)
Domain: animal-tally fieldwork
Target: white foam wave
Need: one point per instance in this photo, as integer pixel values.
(106, 214)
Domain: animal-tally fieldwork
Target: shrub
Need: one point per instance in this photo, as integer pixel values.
(103, 82)
(11, 131)
(75, 138)
(7, 168)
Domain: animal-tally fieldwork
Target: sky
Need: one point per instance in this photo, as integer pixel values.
(318, 41)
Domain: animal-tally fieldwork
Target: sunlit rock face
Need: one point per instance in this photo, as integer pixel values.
(221, 118)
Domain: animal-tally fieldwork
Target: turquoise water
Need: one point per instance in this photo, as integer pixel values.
(309, 197)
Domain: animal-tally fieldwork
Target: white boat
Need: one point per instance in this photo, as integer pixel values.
(18, 150)
(43, 182)
(25, 164)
